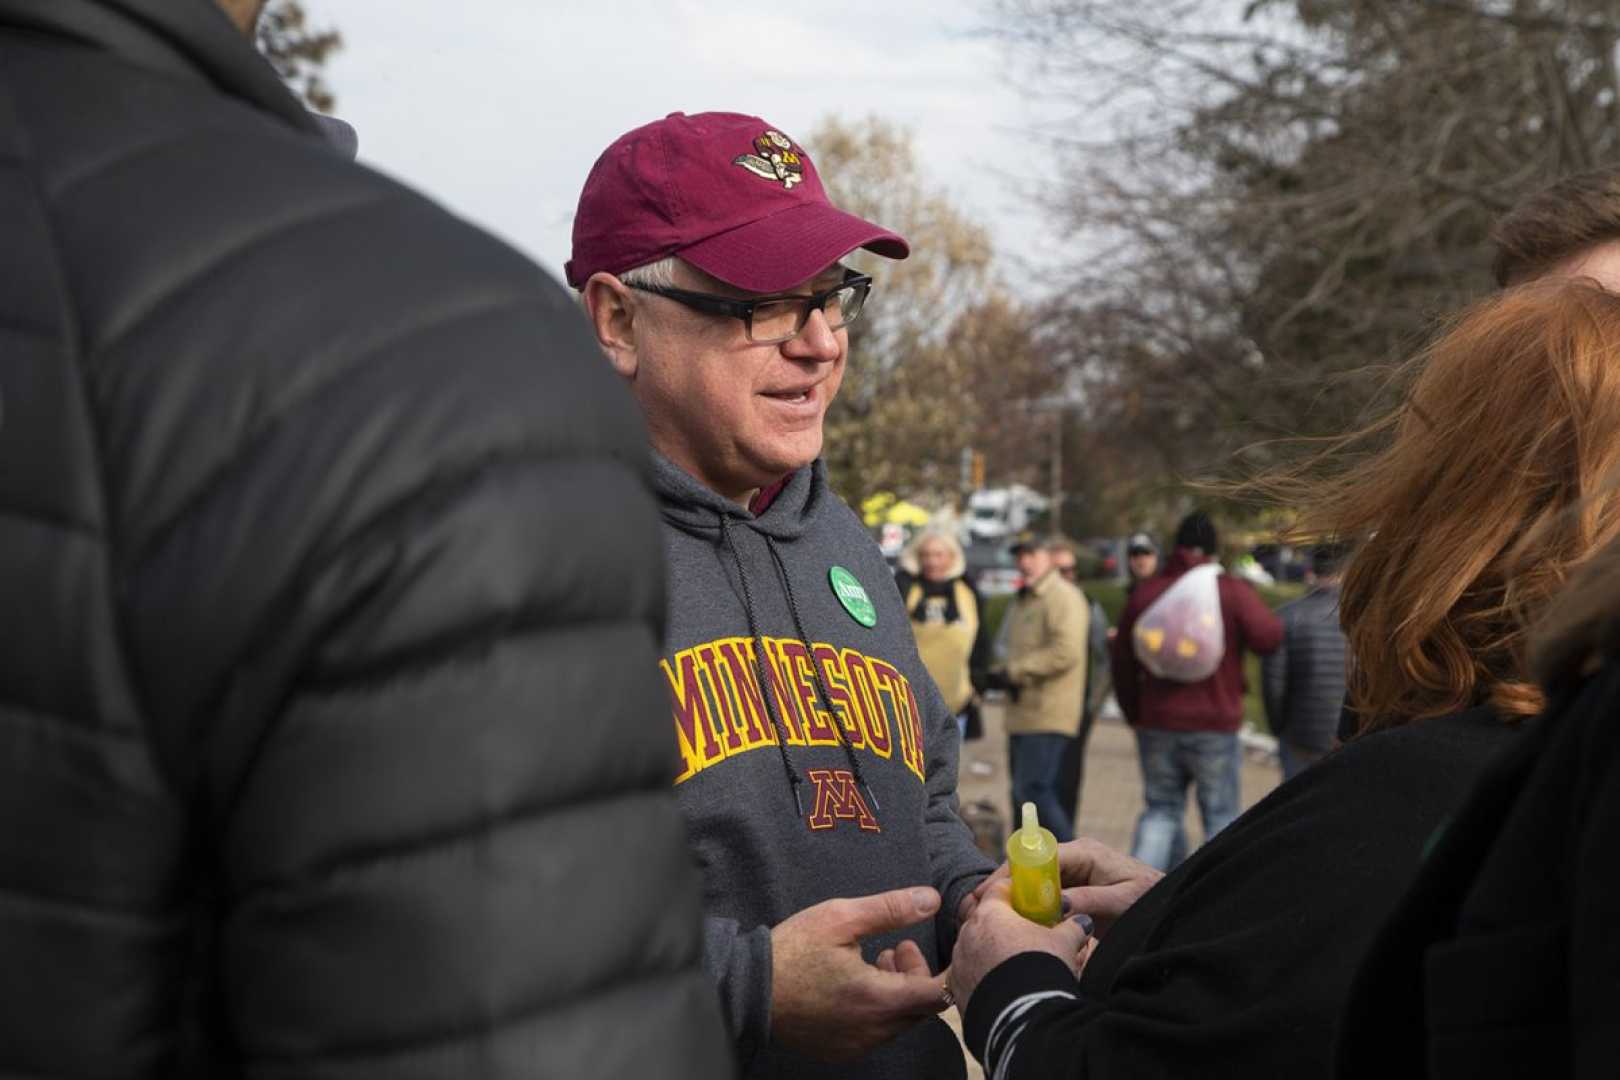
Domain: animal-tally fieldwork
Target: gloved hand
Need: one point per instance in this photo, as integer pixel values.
(997, 679)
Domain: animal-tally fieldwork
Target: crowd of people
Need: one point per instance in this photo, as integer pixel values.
(332, 747)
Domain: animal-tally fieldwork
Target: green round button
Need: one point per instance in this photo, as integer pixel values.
(850, 593)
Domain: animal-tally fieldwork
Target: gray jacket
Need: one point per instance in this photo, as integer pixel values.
(1304, 679)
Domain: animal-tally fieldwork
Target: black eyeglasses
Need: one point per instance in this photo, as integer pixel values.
(771, 320)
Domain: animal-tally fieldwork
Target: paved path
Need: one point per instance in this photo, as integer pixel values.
(1110, 799)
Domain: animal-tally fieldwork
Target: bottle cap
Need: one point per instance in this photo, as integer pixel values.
(1030, 834)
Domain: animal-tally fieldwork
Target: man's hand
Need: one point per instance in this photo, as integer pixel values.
(997, 679)
(996, 932)
(1098, 881)
(830, 1004)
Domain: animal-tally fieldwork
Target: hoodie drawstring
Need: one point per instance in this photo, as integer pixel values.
(759, 663)
(815, 671)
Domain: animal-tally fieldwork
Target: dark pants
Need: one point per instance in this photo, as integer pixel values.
(1037, 761)
(1073, 775)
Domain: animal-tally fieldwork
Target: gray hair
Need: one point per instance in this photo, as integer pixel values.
(658, 275)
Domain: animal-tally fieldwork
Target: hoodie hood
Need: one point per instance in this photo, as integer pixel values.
(693, 508)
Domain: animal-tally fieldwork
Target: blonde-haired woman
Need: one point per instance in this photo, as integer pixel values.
(1470, 506)
(946, 617)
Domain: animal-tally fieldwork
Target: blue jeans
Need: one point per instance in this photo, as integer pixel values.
(1171, 760)
(1037, 764)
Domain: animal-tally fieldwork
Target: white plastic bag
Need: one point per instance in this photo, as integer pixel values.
(1181, 636)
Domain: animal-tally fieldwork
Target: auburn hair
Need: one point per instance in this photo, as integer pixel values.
(1488, 485)
(1555, 224)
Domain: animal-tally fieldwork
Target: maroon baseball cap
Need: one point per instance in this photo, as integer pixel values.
(728, 193)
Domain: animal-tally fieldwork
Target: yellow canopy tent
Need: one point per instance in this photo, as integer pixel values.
(886, 508)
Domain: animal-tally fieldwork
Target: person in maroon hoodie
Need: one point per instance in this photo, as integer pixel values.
(1186, 733)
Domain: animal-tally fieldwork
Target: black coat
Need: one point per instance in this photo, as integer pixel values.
(1504, 958)
(330, 741)
(1237, 964)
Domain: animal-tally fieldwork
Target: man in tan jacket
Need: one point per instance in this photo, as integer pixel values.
(1045, 680)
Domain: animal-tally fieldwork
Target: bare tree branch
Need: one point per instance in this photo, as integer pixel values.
(1313, 183)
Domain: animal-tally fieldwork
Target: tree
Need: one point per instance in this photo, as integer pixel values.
(1292, 191)
(297, 52)
(942, 351)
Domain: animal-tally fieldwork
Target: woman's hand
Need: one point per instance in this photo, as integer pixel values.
(996, 933)
(1098, 882)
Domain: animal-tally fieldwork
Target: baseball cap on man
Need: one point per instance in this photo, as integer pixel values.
(1139, 543)
(1029, 540)
(728, 193)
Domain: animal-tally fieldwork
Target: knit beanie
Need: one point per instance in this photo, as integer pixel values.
(1197, 531)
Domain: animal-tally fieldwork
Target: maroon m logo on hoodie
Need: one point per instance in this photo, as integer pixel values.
(839, 799)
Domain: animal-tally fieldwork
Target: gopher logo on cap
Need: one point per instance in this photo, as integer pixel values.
(776, 160)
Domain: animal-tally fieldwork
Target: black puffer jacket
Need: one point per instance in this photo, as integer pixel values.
(330, 744)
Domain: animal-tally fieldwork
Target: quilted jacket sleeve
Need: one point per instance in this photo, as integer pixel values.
(443, 852)
(448, 846)
(402, 632)
(1274, 671)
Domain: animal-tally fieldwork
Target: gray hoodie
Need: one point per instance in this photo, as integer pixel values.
(861, 796)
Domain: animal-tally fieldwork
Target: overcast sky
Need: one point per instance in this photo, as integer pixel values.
(500, 112)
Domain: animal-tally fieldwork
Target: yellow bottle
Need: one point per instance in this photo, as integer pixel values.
(1032, 856)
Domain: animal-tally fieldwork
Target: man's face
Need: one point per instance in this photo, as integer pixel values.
(734, 414)
(1033, 563)
(1143, 564)
(1063, 563)
(1601, 263)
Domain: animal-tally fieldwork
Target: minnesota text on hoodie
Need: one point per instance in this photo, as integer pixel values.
(720, 712)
